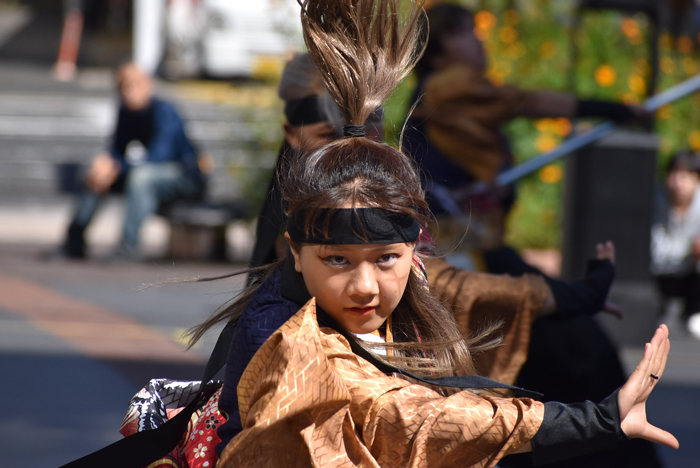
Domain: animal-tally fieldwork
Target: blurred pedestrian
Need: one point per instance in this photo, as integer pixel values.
(675, 237)
(150, 159)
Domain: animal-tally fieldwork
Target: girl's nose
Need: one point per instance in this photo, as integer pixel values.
(363, 282)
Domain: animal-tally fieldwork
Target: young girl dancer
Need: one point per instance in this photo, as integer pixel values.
(298, 390)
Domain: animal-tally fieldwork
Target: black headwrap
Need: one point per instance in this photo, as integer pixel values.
(304, 111)
(354, 226)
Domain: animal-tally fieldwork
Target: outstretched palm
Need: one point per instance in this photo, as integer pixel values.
(633, 395)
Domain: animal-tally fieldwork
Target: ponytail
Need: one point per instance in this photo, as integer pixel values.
(362, 50)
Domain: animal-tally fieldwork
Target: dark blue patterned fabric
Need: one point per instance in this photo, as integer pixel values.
(266, 312)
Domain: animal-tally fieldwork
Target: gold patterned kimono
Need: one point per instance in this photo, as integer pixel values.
(306, 400)
(477, 299)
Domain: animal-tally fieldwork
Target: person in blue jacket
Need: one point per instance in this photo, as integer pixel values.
(151, 160)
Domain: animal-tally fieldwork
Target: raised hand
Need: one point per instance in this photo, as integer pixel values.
(606, 251)
(633, 395)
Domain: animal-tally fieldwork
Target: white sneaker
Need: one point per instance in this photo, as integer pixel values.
(694, 325)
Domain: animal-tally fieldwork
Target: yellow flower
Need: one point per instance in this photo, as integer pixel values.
(548, 49)
(508, 34)
(637, 84)
(689, 66)
(694, 140)
(664, 112)
(631, 29)
(685, 44)
(484, 20)
(545, 142)
(562, 126)
(668, 66)
(545, 125)
(605, 76)
(551, 174)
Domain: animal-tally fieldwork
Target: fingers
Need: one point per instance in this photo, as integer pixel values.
(606, 251)
(654, 360)
(659, 436)
(660, 346)
(661, 357)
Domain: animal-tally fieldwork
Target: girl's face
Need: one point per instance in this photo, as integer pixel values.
(359, 285)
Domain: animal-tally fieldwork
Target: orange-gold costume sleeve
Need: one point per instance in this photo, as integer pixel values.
(463, 111)
(306, 400)
(477, 299)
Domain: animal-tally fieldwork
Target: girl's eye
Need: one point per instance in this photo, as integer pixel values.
(335, 261)
(388, 259)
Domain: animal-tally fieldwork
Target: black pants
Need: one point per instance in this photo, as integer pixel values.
(685, 287)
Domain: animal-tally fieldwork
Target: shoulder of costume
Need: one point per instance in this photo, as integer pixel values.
(306, 320)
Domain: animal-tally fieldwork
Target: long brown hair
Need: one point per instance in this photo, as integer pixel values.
(363, 51)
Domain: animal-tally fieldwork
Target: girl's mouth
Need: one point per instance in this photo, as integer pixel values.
(361, 310)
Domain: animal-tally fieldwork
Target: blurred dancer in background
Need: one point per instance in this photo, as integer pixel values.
(312, 120)
(455, 133)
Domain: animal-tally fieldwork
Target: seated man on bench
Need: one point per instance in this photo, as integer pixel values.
(163, 168)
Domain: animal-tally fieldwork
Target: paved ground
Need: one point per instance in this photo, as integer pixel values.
(77, 340)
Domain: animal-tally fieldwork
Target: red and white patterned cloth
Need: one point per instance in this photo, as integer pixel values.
(152, 407)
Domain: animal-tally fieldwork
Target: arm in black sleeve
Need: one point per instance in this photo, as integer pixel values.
(572, 430)
(610, 110)
(588, 295)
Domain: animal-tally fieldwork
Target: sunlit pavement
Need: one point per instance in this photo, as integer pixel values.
(78, 339)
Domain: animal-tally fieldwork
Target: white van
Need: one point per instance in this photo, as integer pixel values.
(248, 38)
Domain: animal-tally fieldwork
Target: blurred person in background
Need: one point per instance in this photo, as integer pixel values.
(675, 237)
(151, 160)
(455, 133)
(312, 120)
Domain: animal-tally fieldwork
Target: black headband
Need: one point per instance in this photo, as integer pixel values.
(304, 111)
(355, 226)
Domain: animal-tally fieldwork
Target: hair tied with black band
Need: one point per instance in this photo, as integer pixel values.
(354, 131)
